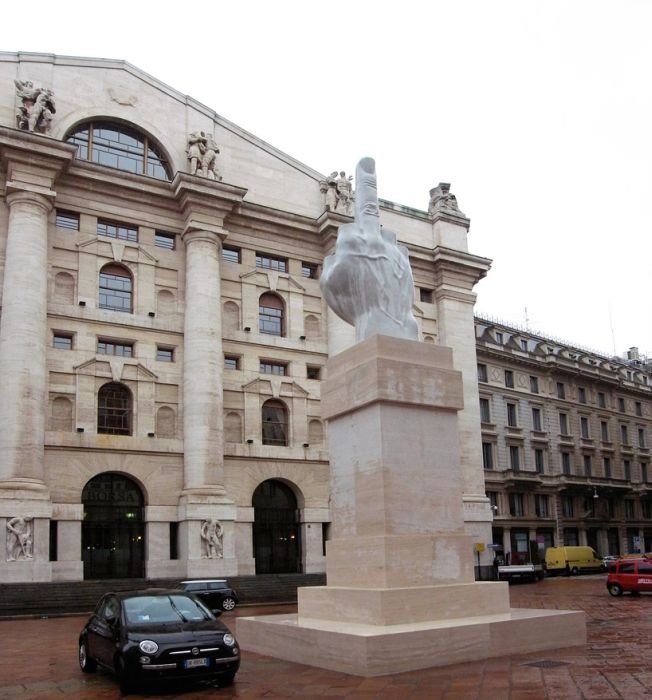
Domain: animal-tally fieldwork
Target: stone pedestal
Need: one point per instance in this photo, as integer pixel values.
(401, 593)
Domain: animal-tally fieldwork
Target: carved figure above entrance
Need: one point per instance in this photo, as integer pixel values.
(19, 539)
(442, 199)
(202, 155)
(212, 534)
(338, 193)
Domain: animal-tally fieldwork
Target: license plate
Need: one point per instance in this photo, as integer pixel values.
(194, 663)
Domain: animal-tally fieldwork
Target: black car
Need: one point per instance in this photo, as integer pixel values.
(157, 634)
(215, 592)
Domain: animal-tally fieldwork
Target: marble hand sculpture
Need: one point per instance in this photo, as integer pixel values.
(368, 281)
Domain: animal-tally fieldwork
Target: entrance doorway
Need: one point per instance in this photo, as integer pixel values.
(276, 530)
(113, 531)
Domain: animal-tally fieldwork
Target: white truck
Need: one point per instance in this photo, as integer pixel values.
(520, 572)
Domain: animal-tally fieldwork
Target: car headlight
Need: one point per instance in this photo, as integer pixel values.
(229, 639)
(147, 646)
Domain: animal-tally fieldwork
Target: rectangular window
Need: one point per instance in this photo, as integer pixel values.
(604, 430)
(163, 239)
(629, 510)
(425, 295)
(542, 506)
(485, 413)
(516, 504)
(493, 501)
(563, 423)
(271, 262)
(164, 354)
(537, 424)
(624, 435)
(602, 400)
(638, 407)
(54, 537)
(584, 427)
(588, 465)
(581, 394)
(499, 337)
(278, 368)
(108, 347)
(310, 270)
(534, 385)
(231, 362)
(567, 506)
(113, 229)
(487, 455)
(62, 341)
(514, 458)
(509, 378)
(644, 474)
(627, 470)
(313, 372)
(566, 463)
(174, 540)
(231, 254)
(641, 437)
(646, 509)
(607, 467)
(482, 373)
(524, 345)
(539, 461)
(561, 390)
(621, 405)
(67, 219)
(511, 415)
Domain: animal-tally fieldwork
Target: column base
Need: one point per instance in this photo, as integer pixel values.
(371, 650)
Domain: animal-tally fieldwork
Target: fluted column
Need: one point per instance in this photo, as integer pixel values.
(23, 340)
(203, 364)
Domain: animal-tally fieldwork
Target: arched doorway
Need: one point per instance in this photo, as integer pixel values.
(277, 548)
(113, 531)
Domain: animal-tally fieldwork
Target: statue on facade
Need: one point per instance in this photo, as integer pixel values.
(368, 281)
(338, 193)
(441, 199)
(212, 534)
(35, 107)
(19, 539)
(209, 159)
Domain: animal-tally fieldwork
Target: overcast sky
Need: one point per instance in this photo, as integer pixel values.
(538, 113)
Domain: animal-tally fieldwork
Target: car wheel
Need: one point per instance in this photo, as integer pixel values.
(226, 679)
(127, 684)
(228, 603)
(615, 589)
(575, 571)
(86, 664)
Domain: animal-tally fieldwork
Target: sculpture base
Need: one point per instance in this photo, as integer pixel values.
(370, 650)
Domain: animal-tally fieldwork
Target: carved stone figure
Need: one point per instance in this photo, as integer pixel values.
(212, 534)
(35, 107)
(19, 539)
(338, 193)
(368, 281)
(441, 199)
(209, 159)
(196, 149)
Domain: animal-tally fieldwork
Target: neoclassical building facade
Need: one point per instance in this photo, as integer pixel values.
(163, 337)
(566, 443)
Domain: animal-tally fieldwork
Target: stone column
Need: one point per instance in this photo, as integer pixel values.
(23, 340)
(203, 364)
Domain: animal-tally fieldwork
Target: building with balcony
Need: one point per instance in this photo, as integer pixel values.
(566, 436)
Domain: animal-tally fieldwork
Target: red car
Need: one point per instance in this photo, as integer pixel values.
(630, 576)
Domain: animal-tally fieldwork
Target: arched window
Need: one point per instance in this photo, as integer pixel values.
(271, 315)
(119, 146)
(114, 409)
(116, 288)
(275, 423)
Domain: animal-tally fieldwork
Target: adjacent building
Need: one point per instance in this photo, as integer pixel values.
(566, 438)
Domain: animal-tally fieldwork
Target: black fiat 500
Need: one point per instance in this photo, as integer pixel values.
(155, 634)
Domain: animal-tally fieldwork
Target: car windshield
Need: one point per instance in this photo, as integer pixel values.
(146, 609)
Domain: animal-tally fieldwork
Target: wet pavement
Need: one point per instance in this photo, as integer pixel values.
(39, 660)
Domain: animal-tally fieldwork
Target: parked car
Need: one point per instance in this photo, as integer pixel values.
(630, 576)
(157, 634)
(610, 559)
(215, 593)
(572, 560)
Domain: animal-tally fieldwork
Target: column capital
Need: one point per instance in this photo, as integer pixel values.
(17, 195)
(457, 270)
(202, 231)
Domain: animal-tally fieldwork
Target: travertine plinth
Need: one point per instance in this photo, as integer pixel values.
(401, 593)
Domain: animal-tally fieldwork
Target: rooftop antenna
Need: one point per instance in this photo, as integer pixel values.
(611, 327)
(527, 320)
